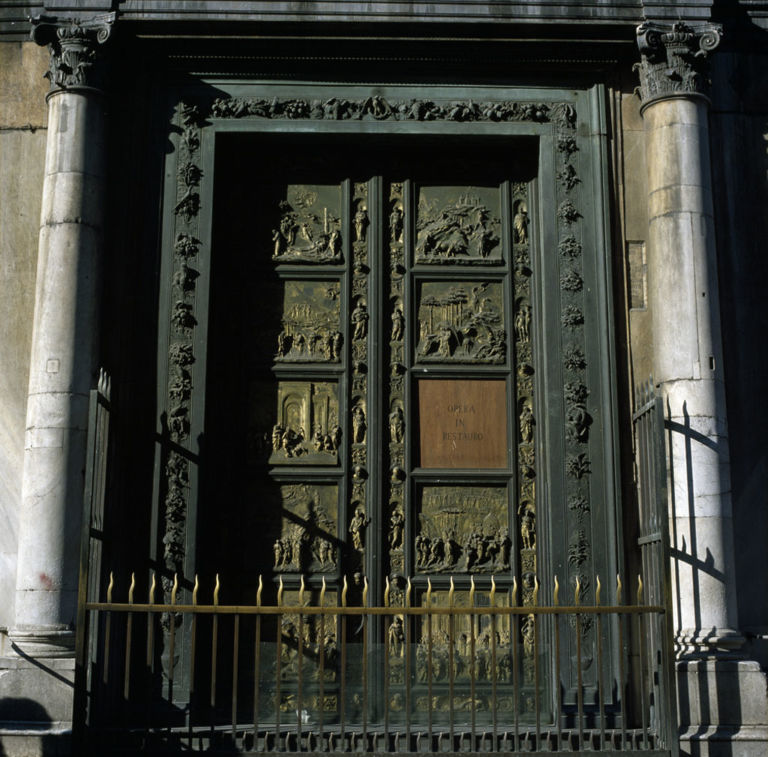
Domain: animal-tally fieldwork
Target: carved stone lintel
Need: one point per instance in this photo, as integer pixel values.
(74, 46)
(674, 59)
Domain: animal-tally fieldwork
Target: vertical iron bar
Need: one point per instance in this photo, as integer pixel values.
(451, 673)
(365, 680)
(558, 697)
(536, 680)
(171, 655)
(128, 641)
(278, 678)
(474, 619)
(407, 675)
(214, 661)
(192, 692)
(600, 690)
(235, 673)
(429, 679)
(386, 680)
(643, 691)
(494, 699)
(515, 679)
(300, 681)
(579, 683)
(256, 687)
(342, 724)
(321, 663)
(622, 680)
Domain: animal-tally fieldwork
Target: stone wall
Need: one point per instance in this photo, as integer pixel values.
(23, 116)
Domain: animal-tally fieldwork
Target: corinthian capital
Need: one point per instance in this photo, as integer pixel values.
(673, 59)
(74, 45)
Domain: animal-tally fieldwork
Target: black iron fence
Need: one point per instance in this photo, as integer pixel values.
(317, 675)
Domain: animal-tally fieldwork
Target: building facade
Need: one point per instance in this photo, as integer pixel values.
(365, 292)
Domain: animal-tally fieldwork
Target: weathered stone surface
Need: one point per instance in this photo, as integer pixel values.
(23, 115)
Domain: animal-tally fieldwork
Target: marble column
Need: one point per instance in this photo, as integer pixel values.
(63, 359)
(688, 356)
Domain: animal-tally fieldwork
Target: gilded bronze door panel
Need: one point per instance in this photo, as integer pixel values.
(372, 368)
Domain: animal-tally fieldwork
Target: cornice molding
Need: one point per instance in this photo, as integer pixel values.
(75, 47)
(674, 60)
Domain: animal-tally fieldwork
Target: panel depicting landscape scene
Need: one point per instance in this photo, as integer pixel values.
(307, 536)
(462, 529)
(311, 322)
(295, 424)
(458, 225)
(461, 322)
(308, 224)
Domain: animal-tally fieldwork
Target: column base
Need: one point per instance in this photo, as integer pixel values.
(722, 707)
(720, 643)
(44, 642)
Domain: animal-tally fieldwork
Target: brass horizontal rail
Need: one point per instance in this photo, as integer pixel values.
(331, 610)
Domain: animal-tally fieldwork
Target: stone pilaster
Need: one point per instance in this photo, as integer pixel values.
(62, 363)
(684, 300)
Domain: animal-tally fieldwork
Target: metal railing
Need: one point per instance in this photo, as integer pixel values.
(455, 671)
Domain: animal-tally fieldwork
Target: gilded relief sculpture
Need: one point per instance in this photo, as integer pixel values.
(310, 323)
(307, 431)
(458, 229)
(309, 229)
(463, 529)
(461, 323)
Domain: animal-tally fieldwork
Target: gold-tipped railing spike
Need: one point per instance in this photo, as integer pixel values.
(261, 589)
(535, 591)
(514, 591)
(639, 589)
(280, 593)
(386, 592)
(111, 586)
(577, 592)
(152, 589)
(429, 592)
(598, 589)
(492, 598)
(472, 591)
(216, 590)
(556, 593)
(174, 588)
(195, 589)
(365, 591)
(301, 593)
(451, 593)
(618, 589)
(344, 590)
(322, 593)
(131, 588)
(408, 593)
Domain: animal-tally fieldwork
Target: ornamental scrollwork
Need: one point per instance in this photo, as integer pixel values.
(673, 59)
(74, 45)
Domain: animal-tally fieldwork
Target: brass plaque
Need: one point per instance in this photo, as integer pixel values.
(463, 423)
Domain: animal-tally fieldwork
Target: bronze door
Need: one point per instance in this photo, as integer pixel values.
(371, 403)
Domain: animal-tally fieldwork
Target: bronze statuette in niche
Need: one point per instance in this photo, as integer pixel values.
(461, 322)
(458, 225)
(309, 229)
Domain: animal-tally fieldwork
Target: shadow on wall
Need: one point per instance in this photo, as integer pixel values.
(709, 696)
(25, 729)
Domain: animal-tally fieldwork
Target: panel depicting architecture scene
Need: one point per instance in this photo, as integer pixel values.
(462, 529)
(295, 423)
(308, 228)
(458, 225)
(461, 322)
